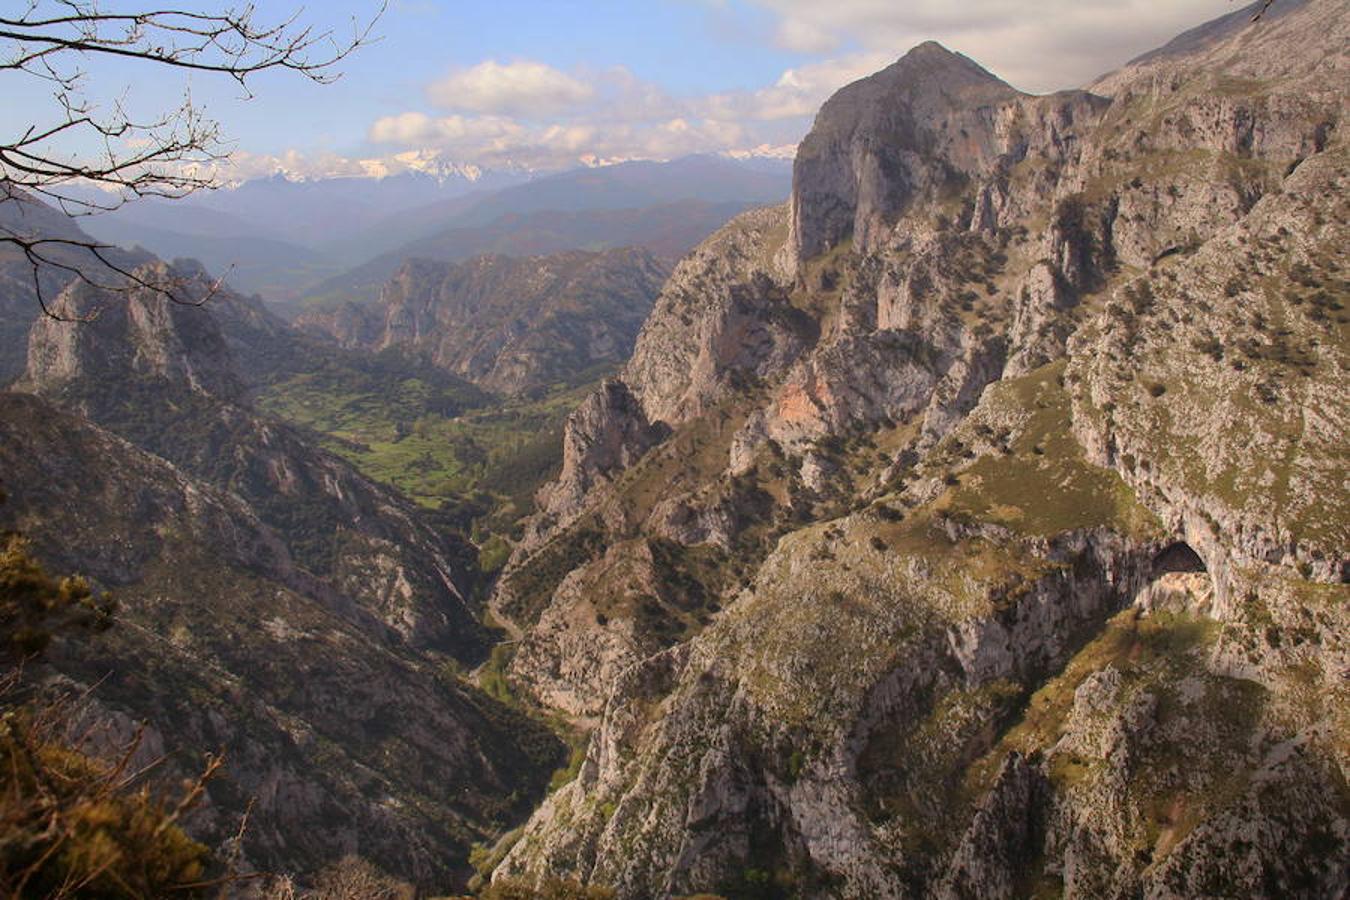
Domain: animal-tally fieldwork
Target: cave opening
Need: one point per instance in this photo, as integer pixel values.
(1178, 580)
(1178, 557)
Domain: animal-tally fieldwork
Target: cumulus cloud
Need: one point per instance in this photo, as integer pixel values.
(1043, 46)
(529, 113)
(522, 88)
(538, 116)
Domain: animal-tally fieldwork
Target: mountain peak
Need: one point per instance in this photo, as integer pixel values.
(932, 50)
(891, 136)
(926, 63)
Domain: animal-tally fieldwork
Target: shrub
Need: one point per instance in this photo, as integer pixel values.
(353, 878)
(889, 513)
(1210, 346)
(33, 605)
(71, 827)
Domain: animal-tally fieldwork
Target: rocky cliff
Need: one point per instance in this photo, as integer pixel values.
(973, 525)
(24, 216)
(507, 324)
(274, 602)
(337, 736)
(160, 373)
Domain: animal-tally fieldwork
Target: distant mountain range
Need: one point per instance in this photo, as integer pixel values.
(287, 238)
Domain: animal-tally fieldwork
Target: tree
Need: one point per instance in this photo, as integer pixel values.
(33, 605)
(169, 155)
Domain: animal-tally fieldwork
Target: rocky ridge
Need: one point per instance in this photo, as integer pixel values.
(970, 526)
(161, 373)
(504, 323)
(274, 602)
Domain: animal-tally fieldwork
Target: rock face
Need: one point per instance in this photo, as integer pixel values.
(350, 324)
(915, 132)
(341, 737)
(25, 216)
(161, 374)
(148, 334)
(995, 488)
(274, 601)
(607, 433)
(508, 324)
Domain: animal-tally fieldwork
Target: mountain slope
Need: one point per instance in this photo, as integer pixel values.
(507, 324)
(341, 739)
(162, 375)
(972, 526)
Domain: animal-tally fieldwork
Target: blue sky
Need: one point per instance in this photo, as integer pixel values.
(546, 84)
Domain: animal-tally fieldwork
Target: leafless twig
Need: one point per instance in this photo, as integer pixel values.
(169, 155)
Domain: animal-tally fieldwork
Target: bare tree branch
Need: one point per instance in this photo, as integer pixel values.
(102, 272)
(169, 155)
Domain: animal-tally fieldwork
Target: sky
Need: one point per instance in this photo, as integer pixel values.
(547, 84)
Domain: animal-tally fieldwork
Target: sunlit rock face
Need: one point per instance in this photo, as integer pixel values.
(1010, 456)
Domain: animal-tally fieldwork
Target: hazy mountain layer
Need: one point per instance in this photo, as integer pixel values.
(286, 239)
(668, 231)
(503, 323)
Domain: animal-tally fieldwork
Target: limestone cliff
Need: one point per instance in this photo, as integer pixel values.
(998, 480)
(507, 324)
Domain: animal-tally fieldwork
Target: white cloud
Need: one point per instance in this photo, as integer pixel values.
(798, 93)
(494, 141)
(242, 165)
(1044, 46)
(415, 128)
(612, 114)
(806, 37)
(517, 88)
(532, 114)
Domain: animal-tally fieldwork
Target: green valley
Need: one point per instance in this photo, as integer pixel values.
(445, 444)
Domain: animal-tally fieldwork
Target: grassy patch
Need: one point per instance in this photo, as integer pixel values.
(440, 442)
(1046, 486)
